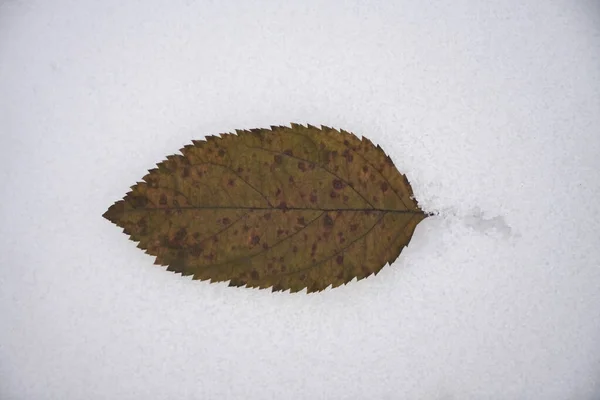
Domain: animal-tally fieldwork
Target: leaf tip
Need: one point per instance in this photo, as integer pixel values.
(115, 211)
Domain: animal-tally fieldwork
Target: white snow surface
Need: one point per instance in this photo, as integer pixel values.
(492, 109)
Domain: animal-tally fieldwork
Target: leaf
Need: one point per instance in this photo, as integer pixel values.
(287, 208)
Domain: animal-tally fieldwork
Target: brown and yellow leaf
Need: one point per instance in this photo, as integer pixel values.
(287, 207)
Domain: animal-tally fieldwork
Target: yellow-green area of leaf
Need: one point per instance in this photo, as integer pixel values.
(283, 208)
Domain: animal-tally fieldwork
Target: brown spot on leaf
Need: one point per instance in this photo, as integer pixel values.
(255, 240)
(142, 226)
(339, 260)
(180, 235)
(226, 221)
(254, 274)
(139, 201)
(384, 187)
(348, 156)
(278, 159)
(338, 184)
(328, 221)
(301, 166)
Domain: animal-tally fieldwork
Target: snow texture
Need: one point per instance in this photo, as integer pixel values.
(492, 109)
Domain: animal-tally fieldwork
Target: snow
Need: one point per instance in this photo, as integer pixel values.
(492, 109)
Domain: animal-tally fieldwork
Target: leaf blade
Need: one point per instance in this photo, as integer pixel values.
(287, 207)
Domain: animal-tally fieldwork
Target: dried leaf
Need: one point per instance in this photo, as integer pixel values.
(287, 208)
